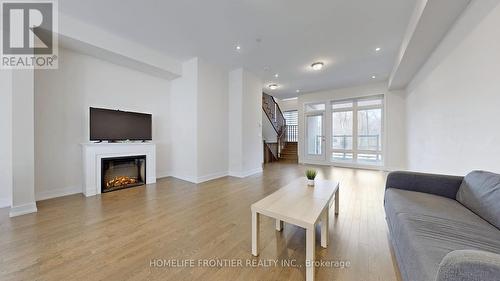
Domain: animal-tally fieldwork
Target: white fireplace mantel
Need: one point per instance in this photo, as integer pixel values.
(93, 153)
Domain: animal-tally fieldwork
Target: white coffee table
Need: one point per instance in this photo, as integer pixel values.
(301, 205)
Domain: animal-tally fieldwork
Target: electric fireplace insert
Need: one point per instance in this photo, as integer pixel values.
(122, 172)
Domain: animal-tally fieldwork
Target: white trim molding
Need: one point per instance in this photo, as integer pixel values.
(94, 152)
(23, 209)
(212, 176)
(161, 175)
(185, 178)
(49, 194)
(194, 180)
(244, 174)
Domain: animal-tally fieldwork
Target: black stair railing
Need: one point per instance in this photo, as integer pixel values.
(275, 116)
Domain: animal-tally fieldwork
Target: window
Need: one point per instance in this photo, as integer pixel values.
(357, 130)
(292, 125)
(370, 129)
(341, 156)
(314, 127)
(342, 105)
(291, 117)
(342, 130)
(315, 107)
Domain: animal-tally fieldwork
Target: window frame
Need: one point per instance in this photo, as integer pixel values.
(355, 151)
(323, 112)
(296, 118)
(292, 134)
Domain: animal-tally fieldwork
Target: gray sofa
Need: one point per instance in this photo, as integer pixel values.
(445, 228)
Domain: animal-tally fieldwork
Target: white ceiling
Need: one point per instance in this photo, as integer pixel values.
(292, 35)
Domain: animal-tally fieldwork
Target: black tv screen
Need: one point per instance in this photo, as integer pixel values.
(116, 125)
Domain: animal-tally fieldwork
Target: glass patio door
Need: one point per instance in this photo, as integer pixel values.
(315, 137)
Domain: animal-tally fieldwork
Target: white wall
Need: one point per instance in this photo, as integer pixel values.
(62, 101)
(268, 132)
(23, 143)
(288, 104)
(6, 138)
(190, 124)
(183, 119)
(245, 127)
(87, 38)
(213, 122)
(235, 117)
(394, 130)
(453, 103)
(253, 156)
(199, 130)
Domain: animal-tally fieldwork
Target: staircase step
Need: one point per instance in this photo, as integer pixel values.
(289, 152)
(289, 158)
(288, 155)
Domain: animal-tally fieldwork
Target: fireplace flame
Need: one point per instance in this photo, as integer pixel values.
(120, 181)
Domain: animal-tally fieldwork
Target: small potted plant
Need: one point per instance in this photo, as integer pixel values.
(310, 174)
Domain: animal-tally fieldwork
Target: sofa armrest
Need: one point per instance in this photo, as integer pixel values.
(442, 185)
(469, 265)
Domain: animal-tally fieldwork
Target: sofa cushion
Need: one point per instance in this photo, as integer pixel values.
(480, 192)
(424, 228)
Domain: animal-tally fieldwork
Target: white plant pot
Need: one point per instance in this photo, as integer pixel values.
(310, 182)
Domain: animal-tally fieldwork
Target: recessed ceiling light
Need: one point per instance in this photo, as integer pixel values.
(377, 49)
(238, 47)
(297, 91)
(273, 86)
(317, 65)
(276, 75)
(373, 76)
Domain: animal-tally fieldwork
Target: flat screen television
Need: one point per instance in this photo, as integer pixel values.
(116, 125)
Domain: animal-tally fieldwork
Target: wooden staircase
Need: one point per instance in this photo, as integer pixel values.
(289, 152)
(283, 150)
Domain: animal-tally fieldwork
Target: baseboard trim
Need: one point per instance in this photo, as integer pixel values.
(23, 210)
(49, 194)
(161, 175)
(245, 174)
(188, 179)
(212, 176)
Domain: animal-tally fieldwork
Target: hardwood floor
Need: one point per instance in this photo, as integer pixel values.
(117, 235)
